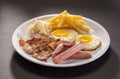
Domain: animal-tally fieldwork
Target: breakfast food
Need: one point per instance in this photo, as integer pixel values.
(68, 53)
(39, 46)
(62, 37)
(66, 20)
(91, 41)
(39, 26)
(64, 34)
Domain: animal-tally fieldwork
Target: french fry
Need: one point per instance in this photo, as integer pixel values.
(82, 22)
(58, 16)
(86, 28)
(75, 16)
(60, 22)
(67, 26)
(77, 28)
(65, 20)
(54, 18)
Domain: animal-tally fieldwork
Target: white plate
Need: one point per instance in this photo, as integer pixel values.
(97, 29)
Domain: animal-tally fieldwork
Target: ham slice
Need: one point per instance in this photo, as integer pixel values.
(81, 55)
(64, 45)
(68, 53)
(57, 50)
(67, 43)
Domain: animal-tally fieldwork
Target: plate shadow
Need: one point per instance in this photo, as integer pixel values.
(31, 70)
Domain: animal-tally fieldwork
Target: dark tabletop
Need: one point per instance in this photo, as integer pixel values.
(15, 12)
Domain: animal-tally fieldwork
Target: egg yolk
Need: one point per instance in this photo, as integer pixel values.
(60, 32)
(85, 39)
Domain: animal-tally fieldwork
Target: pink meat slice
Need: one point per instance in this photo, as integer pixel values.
(81, 55)
(68, 53)
(27, 48)
(67, 43)
(57, 50)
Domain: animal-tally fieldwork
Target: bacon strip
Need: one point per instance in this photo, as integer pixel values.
(22, 42)
(68, 53)
(27, 48)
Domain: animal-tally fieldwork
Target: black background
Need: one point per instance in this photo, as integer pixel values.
(15, 12)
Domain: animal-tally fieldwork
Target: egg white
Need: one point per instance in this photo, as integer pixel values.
(92, 45)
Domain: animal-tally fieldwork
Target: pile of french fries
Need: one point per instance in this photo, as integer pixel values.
(66, 20)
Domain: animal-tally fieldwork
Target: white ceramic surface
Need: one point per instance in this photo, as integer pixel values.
(97, 29)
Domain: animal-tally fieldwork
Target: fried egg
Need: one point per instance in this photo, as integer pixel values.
(92, 42)
(64, 34)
